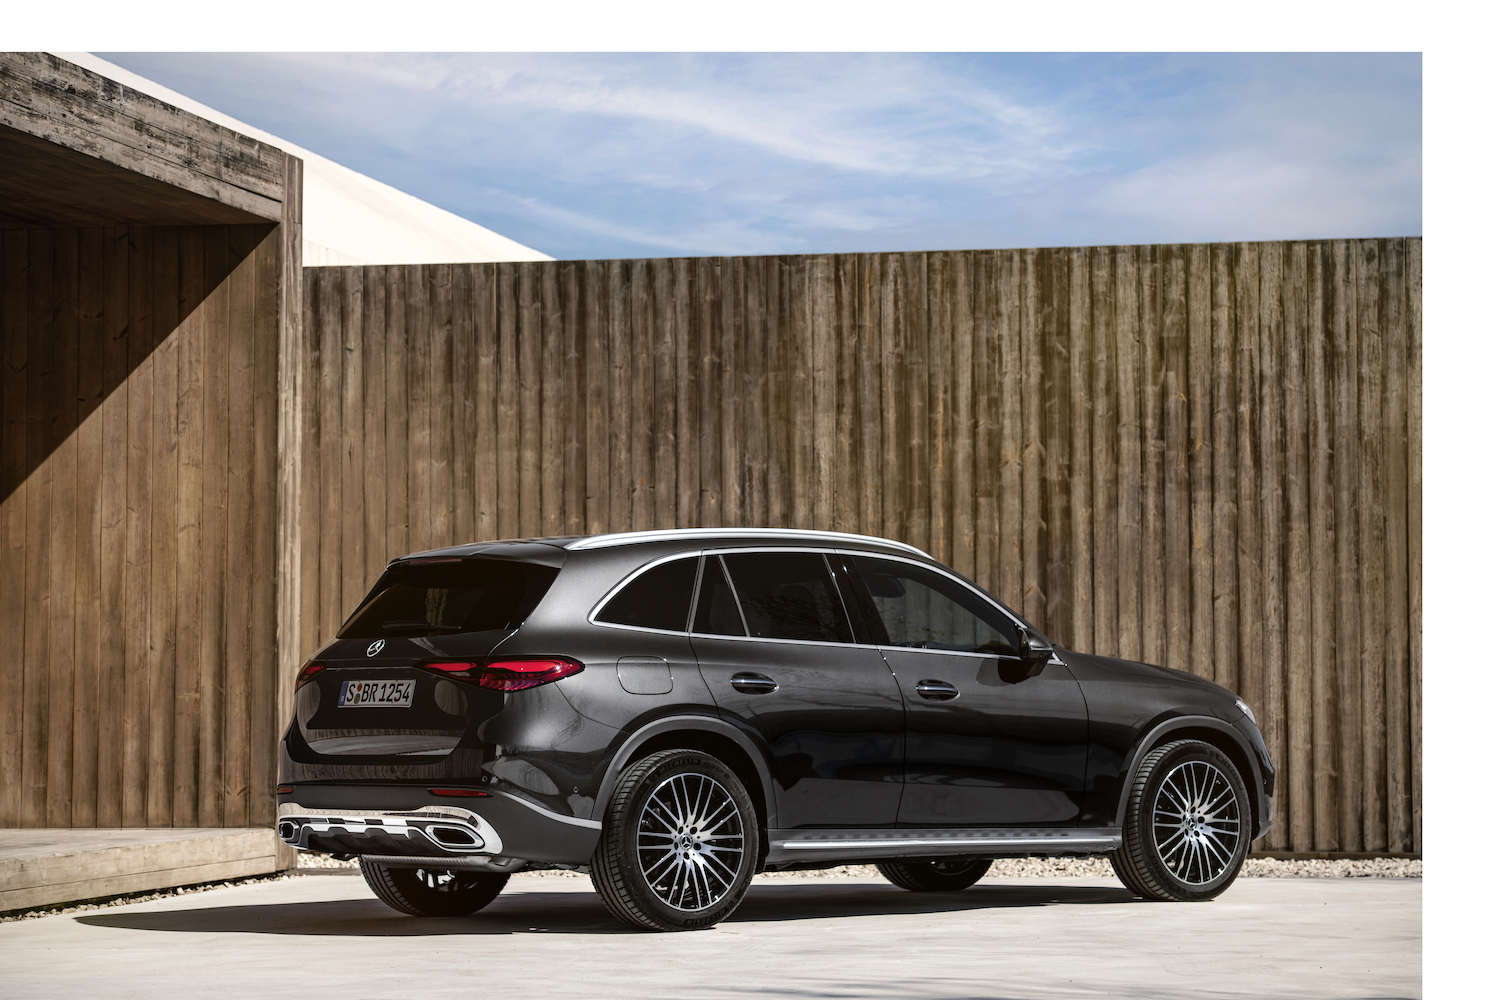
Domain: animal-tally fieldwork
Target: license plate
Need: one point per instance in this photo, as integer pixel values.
(376, 694)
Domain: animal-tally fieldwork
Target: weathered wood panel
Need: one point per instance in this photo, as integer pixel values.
(1206, 456)
(137, 523)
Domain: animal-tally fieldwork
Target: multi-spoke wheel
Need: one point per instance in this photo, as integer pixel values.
(432, 892)
(679, 844)
(933, 876)
(1187, 824)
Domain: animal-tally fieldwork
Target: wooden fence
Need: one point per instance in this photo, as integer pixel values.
(1207, 456)
(138, 525)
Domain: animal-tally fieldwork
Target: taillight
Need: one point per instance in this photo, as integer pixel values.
(307, 674)
(472, 793)
(510, 675)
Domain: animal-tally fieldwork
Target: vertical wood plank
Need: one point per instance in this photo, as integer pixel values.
(663, 333)
(1369, 351)
(552, 427)
(1154, 404)
(213, 557)
(1201, 461)
(1272, 383)
(1129, 582)
(1103, 458)
(575, 361)
(1394, 364)
(441, 405)
(1249, 595)
(14, 439)
(596, 395)
(1413, 293)
(1322, 368)
(162, 623)
(1296, 801)
(373, 348)
(41, 369)
(240, 472)
(351, 438)
(1224, 443)
(1011, 393)
(59, 585)
(1034, 464)
(463, 405)
(485, 317)
(1081, 472)
(1345, 385)
(508, 401)
(113, 416)
(397, 415)
(140, 364)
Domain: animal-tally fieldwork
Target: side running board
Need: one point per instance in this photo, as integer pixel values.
(793, 846)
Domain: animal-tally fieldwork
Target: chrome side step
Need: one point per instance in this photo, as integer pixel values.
(793, 846)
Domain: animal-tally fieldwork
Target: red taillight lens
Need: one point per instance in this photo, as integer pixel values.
(518, 675)
(456, 669)
(307, 674)
(473, 793)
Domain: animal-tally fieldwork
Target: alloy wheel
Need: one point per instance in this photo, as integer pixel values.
(690, 841)
(1195, 822)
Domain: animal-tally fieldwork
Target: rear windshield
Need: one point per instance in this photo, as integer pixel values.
(472, 595)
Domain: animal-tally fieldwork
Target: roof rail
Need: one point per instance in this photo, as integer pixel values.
(673, 534)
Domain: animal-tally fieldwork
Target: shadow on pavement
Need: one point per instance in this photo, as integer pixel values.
(583, 913)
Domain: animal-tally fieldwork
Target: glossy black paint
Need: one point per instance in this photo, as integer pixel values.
(844, 740)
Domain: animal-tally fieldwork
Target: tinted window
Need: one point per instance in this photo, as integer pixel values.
(658, 598)
(918, 607)
(472, 595)
(788, 595)
(717, 612)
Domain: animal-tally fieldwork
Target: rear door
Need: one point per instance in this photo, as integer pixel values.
(774, 643)
(985, 746)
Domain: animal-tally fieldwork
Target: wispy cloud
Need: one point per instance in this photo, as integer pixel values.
(619, 155)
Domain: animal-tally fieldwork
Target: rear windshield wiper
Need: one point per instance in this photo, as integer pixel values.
(408, 625)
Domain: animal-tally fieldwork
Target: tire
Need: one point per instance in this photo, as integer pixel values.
(1187, 824)
(933, 876)
(432, 892)
(656, 867)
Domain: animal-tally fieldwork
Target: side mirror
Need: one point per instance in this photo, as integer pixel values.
(1035, 652)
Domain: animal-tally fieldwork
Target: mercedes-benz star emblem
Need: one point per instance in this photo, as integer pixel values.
(375, 647)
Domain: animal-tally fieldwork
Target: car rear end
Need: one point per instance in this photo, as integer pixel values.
(395, 720)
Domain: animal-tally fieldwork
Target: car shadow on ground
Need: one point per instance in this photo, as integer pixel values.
(582, 913)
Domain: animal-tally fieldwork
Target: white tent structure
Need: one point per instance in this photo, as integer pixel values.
(348, 218)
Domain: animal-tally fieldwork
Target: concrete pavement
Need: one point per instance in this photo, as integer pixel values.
(1004, 939)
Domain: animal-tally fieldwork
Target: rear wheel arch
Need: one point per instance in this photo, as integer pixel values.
(706, 735)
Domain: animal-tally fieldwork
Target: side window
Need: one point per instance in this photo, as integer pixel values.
(788, 595)
(929, 611)
(718, 614)
(658, 598)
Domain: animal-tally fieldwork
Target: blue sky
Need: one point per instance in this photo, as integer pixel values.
(609, 155)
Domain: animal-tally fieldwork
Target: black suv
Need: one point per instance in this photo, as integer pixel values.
(675, 711)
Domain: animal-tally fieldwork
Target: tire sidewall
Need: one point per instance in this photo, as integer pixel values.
(1141, 819)
(626, 817)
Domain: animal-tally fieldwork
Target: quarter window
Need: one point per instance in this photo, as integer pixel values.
(658, 598)
(927, 610)
(788, 595)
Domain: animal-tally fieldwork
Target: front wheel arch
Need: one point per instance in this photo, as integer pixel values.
(1216, 733)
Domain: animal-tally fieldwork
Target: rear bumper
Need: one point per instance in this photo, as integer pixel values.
(394, 821)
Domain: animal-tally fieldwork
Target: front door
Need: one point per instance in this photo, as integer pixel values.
(985, 745)
(776, 650)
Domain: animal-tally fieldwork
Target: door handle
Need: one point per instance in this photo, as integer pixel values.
(936, 690)
(753, 683)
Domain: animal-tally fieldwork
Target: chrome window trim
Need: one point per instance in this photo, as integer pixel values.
(630, 578)
(708, 534)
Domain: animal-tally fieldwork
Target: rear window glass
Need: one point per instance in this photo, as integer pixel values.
(787, 595)
(658, 598)
(473, 595)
